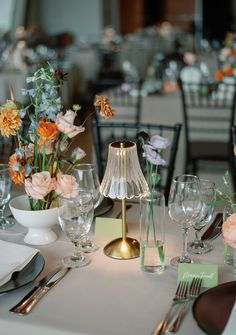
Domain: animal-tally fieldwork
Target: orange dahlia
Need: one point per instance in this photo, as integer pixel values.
(17, 175)
(10, 120)
(46, 130)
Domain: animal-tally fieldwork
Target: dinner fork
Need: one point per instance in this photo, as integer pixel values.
(194, 291)
(180, 297)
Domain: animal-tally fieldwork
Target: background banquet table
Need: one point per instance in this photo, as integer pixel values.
(75, 83)
(108, 296)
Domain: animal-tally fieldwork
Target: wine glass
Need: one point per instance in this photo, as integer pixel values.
(208, 196)
(5, 194)
(184, 208)
(86, 176)
(75, 217)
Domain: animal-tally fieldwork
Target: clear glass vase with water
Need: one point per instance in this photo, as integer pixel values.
(152, 232)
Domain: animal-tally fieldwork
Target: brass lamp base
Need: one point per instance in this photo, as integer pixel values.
(122, 248)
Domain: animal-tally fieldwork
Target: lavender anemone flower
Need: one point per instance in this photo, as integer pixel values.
(153, 156)
(159, 142)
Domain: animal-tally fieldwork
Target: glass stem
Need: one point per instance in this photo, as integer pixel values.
(185, 238)
(198, 243)
(197, 238)
(1, 212)
(77, 252)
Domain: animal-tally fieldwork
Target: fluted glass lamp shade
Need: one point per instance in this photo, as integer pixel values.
(123, 179)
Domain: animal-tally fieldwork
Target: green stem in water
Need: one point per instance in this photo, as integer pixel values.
(151, 220)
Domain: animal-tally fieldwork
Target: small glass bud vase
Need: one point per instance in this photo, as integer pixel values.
(152, 232)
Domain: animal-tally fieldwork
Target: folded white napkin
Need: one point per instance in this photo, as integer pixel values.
(231, 324)
(13, 257)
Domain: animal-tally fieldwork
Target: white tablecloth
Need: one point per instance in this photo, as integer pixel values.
(108, 297)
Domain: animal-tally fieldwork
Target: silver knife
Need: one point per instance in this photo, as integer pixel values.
(44, 285)
(215, 228)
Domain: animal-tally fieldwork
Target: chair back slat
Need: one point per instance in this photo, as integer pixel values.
(208, 114)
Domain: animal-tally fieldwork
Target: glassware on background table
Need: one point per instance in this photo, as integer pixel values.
(86, 176)
(184, 206)
(152, 232)
(5, 194)
(76, 217)
(208, 196)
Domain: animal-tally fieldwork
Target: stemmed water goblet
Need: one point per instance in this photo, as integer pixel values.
(86, 176)
(75, 217)
(184, 206)
(5, 194)
(208, 196)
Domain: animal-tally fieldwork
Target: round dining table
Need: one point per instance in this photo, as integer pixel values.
(109, 296)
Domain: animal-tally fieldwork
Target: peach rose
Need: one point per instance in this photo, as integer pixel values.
(66, 186)
(229, 230)
(65, 123)
(39, 185)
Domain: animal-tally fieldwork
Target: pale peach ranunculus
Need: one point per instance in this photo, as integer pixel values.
(39, 185)
(65, 124)
(47, 147)
(66, 186)
(229, 230)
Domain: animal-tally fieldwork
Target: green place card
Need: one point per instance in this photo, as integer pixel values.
(108, 227)
(208, 273)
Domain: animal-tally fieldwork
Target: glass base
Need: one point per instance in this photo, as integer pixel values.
(174, 262)
(154, 269)
(76, 261)
(88, 246)
(6, 223)
(199, 247)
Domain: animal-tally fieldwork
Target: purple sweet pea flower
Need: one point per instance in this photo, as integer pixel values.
(153, 156)
(159, 142)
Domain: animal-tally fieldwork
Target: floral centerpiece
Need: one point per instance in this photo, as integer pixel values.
(227, 58)
(41, 155)
(152, 205)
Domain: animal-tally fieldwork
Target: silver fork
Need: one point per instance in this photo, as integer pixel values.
(194, 291)
(180, 297)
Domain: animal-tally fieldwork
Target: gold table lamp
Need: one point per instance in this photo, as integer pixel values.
(123, 179)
